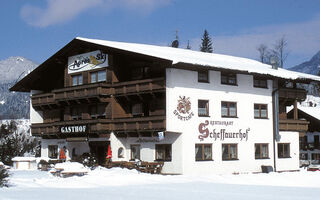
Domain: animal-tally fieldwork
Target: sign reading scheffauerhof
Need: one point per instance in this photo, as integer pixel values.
(87, 61)
(221, 133)
(73, 129)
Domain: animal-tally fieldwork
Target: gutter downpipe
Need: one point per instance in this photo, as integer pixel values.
(275, 103)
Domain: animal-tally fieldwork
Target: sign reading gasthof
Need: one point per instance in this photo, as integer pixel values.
(73, 129)
(87, 61)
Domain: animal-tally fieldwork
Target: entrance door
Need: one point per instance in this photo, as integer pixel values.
(99, 149)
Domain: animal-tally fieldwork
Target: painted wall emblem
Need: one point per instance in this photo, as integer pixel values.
(183, 111)
(221, 133)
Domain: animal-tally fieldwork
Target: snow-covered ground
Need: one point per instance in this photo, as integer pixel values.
(119, 183)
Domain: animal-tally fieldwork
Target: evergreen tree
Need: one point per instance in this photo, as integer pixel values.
(188, 45)
(15, 142)
(206, 44)
(3, 177)
(175, 43)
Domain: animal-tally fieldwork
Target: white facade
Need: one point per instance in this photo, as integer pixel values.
(184, 134)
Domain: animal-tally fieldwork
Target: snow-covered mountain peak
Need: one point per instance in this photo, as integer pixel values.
(14, 68)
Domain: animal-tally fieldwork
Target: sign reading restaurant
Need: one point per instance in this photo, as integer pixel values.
(87, 61)
(73, 129)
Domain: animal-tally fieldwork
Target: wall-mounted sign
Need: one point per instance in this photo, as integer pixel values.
(146, 140)
(87, 61)
(221, 133)
(73, 129)
(183, 111)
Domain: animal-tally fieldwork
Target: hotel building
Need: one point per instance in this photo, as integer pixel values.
(197, 112)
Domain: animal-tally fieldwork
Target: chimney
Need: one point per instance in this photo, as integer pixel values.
(274, 62)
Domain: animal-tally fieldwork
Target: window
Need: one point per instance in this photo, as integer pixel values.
(303, 156)
(203, 76)
(260, 111)
(303, 143)
(260, 82)
(98, 76)
(136, 73)
(93, 112)
(228, 78)
(121, 152)
(203, 152)
(135, 152)
(283, 150)
(261, 151)
(77, 80)
(228, 109)
(315, 156)
(316, 141)
(102, 111)
(203, 107)
(76, 113)
(137, 109)
(163, 152)
(98, 111)
(229, 152)
(53, 151)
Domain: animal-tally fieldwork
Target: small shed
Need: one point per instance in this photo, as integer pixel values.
(24, 163)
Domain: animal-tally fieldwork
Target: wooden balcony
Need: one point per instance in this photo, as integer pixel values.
(53, 129)
(82, 92)
(101, 126)
(40, 100)
(293, 94)
(98, 92)
(293, 125)
(139, 124)
(139, 86)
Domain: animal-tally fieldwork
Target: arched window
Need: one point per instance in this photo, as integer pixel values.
(120, 152)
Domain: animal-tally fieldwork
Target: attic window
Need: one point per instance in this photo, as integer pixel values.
(260, 82)
(203, 76)
(228, 78)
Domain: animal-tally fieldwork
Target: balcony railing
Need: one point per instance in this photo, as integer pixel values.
(139, 86)
(292, 93)
(98, 90)
(293, 125)
(43, 99)
(82, 92)
(102, 125)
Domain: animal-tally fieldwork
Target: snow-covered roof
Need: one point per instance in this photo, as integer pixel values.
(23, 159)
(312, 111)
(177, 55)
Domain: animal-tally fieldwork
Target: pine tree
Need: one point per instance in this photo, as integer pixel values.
(3, 177)
(206, 45)
(15, 142)
(175, 43)
(188, 45)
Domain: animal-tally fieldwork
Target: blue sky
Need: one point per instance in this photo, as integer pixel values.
(36, 29)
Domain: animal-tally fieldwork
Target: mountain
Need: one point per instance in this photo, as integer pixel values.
(14, 105)
(310, 67)
(15, 68)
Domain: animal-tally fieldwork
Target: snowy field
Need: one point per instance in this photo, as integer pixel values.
(119, 183)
